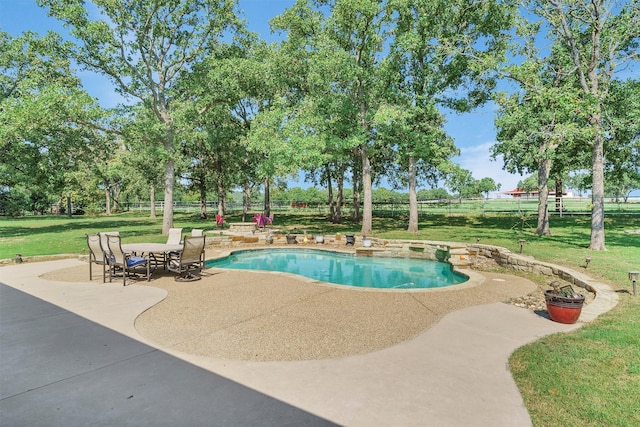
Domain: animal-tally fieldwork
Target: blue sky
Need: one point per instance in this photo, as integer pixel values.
(473, 132)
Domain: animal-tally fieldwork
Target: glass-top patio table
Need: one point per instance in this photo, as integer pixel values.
(157, 252)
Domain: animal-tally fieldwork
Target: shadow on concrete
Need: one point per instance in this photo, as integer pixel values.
(59, 369)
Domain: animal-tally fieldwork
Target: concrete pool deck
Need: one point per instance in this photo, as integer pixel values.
(450, 370)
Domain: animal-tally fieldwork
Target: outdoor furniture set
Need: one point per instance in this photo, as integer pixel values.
(185, 257)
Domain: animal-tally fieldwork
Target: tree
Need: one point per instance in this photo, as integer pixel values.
(541, 126)
(143, 46)
(600, 36)
(436, 59)
(460, 181)
(579, 181)
(47, 125)
(141, 131)
(622, 120)
(340, 43)
(529, 184)
(487, 185)
(433, 194)
(423, 147)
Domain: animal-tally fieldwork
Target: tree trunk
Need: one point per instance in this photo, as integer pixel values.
(544, 168)
(221, 200)
(330, 200)
(115, 199)
(340, 196)
(367, 209)
(169, 182)
(69, 206)
(355, 214)
(246, 201)
(597, 192)
(559, 195)
(169, 179)
(169, 168)
(107, 197)
(267, 197)
(152, 201)
(413, 197)
(203, 198)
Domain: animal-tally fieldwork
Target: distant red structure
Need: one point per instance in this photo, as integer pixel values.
(519, 192)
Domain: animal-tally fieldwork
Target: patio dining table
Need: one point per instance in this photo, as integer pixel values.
(157, 252)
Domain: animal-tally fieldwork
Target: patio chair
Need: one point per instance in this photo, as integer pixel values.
(103, 239)
(104, 247)
(119, 260)
(190, 261)
(97, 255)
(197, 232)
(175, 236)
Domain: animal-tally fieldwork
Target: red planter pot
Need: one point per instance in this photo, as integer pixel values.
(563, 309)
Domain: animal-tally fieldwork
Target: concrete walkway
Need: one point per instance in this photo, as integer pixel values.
(453, 374)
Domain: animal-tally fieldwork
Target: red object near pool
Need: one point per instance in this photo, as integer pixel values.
(563, 309)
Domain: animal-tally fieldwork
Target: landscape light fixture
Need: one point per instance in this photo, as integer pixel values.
(477, 240)
(522, 242)
(633, 276)
(587, 260)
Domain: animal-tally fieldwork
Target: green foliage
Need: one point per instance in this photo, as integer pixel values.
(143, 47)
(461, 182)
(356, 90)
(311, 195)
(545, 119)
(529, 184)
(587, 378)
(486, 185)
(600, 38)
(622, 173)
(47, 125)
(13, 201)
(433, 194)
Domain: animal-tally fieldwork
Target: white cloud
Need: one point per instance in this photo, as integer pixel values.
(477, 159)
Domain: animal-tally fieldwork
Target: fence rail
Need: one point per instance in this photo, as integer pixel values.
(522, 206)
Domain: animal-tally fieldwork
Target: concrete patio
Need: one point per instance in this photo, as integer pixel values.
(74, 356)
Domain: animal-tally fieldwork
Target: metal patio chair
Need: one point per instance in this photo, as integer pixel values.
(120, 260)
(190, 261)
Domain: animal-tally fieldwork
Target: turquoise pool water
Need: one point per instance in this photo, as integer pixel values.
(346, 269)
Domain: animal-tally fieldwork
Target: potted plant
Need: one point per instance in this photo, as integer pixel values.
(366, 241)
(351, 239)
(291, 239)
(319, 238)
(564, 305)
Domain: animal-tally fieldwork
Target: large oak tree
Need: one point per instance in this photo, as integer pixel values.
(601, 37)
(142, 46)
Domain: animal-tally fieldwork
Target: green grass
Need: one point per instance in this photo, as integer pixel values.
(47, 235)
(590, 377)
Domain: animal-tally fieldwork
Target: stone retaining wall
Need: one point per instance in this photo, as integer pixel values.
(520, 262)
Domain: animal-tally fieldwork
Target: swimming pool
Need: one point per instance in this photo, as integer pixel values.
(346, 269)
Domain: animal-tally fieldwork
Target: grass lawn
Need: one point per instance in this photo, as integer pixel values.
(590, 377)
